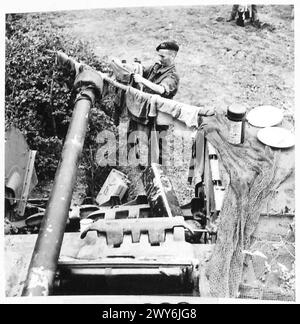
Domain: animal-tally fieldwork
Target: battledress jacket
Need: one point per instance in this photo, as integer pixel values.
(164, 76)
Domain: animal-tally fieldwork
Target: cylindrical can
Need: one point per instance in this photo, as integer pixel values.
(236, 114)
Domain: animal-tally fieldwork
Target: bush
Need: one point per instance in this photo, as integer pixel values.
(38, 96)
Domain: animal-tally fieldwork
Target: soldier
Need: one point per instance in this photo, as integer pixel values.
(159, 78)
(243, 13)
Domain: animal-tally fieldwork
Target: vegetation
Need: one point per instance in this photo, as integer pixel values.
(38, 95)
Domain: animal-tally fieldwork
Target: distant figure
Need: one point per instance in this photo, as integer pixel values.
(244, 12)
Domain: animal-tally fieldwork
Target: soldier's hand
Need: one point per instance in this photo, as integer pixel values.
(208, 125)
(138, 78)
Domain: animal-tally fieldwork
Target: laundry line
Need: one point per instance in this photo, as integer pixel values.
(170, 110)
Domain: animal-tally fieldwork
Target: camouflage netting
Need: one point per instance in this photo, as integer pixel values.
(252, 169)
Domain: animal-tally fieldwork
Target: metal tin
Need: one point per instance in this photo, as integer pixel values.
(236, 114)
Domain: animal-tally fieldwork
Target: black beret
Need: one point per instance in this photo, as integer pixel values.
(170, 45)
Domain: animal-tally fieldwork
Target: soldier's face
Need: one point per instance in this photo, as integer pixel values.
(166, 57)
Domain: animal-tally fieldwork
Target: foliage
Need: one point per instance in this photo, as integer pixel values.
(38, 96)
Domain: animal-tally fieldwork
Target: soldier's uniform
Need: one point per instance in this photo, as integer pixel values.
(163, 76)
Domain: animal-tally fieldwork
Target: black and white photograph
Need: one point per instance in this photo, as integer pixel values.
(149, 153)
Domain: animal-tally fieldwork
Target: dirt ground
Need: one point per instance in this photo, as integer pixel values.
(219, 63)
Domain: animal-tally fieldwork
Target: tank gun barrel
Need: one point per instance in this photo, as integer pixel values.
(41, 274)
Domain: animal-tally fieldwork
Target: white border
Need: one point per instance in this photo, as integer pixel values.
(36, 6)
